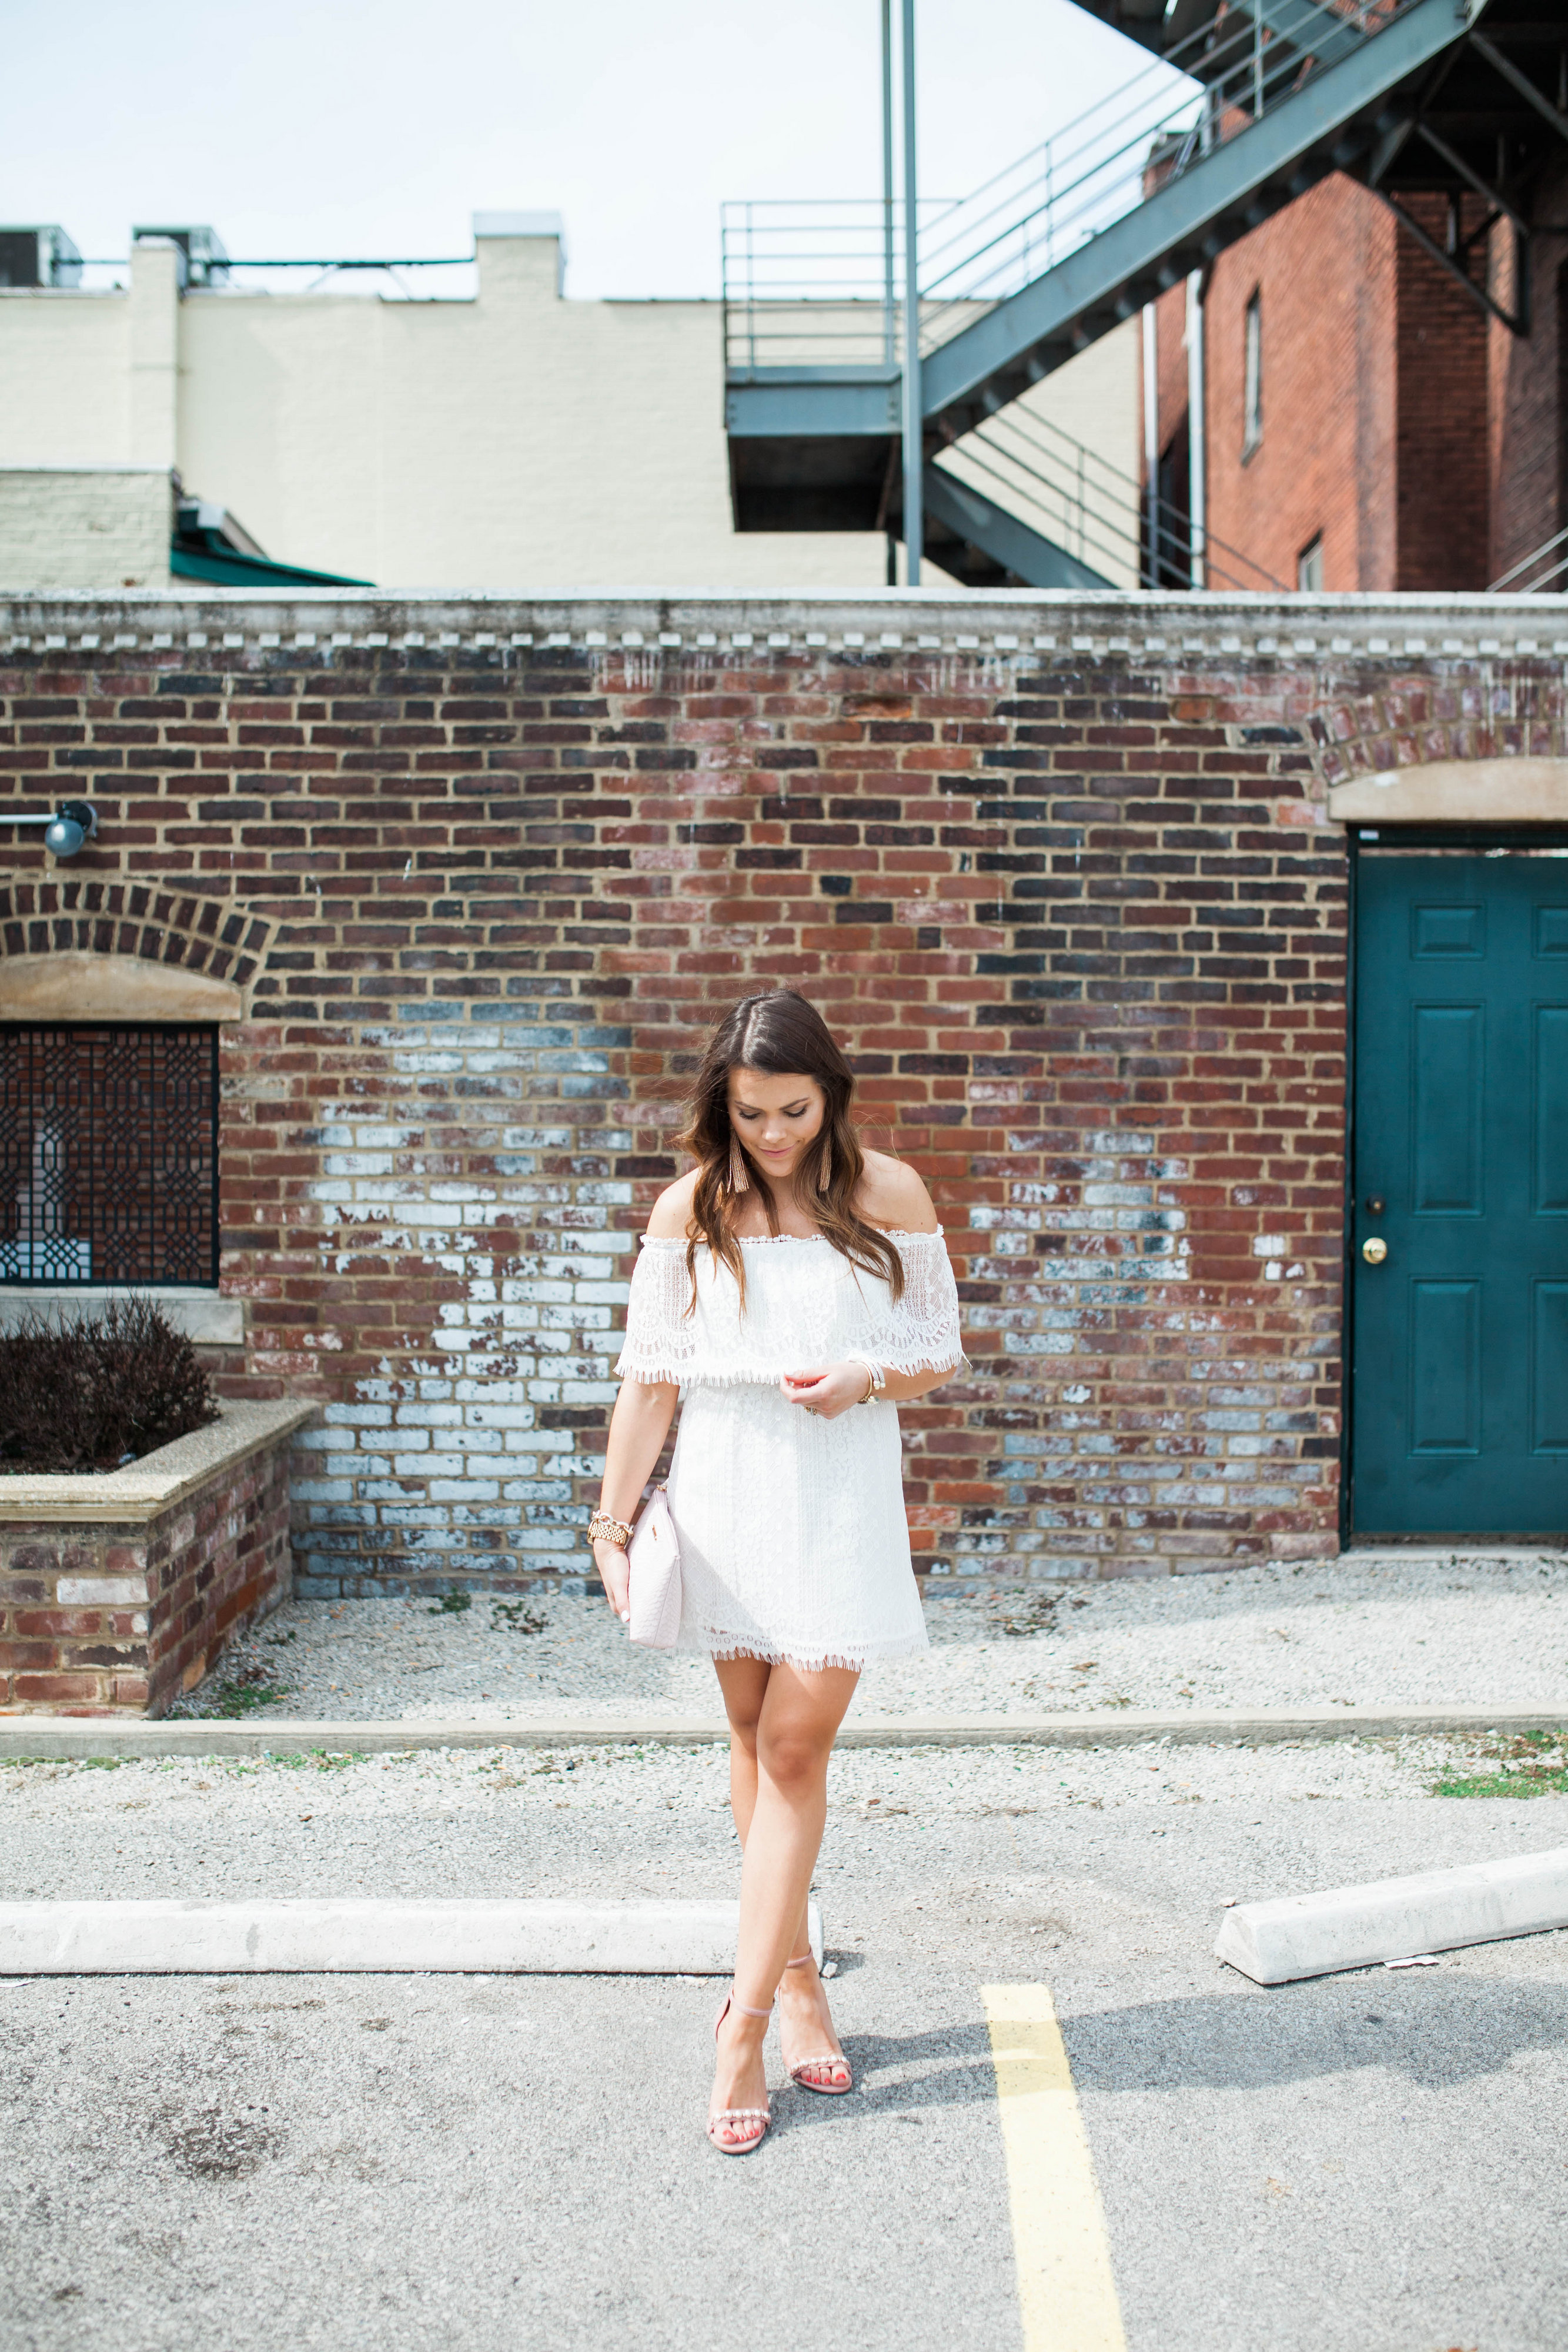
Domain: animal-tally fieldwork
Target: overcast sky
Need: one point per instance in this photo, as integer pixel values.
(298, 127)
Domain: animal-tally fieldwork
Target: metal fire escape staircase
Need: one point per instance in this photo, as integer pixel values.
(1239, 109)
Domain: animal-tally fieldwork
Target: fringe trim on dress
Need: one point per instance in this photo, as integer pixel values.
(854, 1657)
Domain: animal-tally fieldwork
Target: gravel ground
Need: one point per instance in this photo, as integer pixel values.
(1366, 1630)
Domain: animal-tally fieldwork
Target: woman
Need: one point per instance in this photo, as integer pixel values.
(792, 1290)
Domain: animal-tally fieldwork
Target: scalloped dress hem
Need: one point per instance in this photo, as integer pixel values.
(851, 1658)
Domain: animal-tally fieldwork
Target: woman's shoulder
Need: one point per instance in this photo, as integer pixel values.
(893, 1196)
(670, 1218)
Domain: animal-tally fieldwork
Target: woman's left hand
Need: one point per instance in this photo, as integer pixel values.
(828, 1392)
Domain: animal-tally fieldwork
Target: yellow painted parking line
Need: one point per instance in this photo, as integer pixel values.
(1067, 2291)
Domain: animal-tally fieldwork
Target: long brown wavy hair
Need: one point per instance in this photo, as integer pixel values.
(780, 1033)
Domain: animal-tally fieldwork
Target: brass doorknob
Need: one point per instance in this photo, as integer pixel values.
(1375, 1251)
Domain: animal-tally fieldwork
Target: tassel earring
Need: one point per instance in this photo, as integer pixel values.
(825, 1172)
(739, 1181)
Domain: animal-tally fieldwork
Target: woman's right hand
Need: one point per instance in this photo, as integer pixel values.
(616, 1574)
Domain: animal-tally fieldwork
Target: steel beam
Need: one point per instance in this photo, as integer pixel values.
(1461, 170)
(1522, 82)
(1478, 294)
(1175, 217)
(794, 410)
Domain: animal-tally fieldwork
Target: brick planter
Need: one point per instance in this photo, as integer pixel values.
(117, 1592)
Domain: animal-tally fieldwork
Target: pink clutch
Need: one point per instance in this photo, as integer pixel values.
(655, 1556)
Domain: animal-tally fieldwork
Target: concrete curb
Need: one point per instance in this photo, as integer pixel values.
(55, 1738)
(1299, 1935)
(311, 1936)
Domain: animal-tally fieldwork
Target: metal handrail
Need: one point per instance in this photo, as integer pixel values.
(1528, 563)
(1212, 86)
(1248, 57)
(1073, 496)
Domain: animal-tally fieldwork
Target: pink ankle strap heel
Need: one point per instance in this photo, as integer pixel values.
(747, 2143)
(834, 2059)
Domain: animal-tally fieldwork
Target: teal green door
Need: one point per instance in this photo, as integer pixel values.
(1460, 1350)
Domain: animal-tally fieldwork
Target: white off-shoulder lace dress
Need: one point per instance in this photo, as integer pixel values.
(794, 1542)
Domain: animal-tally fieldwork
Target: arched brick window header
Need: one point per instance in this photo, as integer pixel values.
(140, 923)
(1491, 719)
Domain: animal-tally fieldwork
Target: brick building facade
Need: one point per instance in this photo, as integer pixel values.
(1423, 446)
(475, 875)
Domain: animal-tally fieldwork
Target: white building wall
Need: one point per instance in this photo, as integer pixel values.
(519, 441)
(65, 378)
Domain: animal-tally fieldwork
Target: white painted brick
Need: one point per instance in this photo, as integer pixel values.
(103, 526)
(101, 1592)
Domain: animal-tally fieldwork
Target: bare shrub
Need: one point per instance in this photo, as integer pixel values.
(84, 1394)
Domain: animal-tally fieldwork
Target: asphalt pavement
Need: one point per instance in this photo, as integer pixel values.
(1369, 2163)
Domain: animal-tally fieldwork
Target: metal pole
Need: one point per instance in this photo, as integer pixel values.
(889, 273)
(1197, 436)
(913, 513)
(1149, 570)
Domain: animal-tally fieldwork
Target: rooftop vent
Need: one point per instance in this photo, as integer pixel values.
(39, 257)
(205, 261)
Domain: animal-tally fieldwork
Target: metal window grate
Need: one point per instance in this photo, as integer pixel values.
(109, 1155)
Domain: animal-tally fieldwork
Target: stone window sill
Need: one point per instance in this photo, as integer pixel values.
(204, 1317)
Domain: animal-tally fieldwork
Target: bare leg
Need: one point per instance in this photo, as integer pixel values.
(744, 1681)
(805, 2030)
(783, 1725)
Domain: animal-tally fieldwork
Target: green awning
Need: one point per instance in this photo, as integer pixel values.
(205, 555)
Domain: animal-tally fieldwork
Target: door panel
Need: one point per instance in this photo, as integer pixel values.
(1459, 1370)
(1549, 1095)
(1448, 932)
(1445, 1366)
(1447, 1060)
(1549, 1368)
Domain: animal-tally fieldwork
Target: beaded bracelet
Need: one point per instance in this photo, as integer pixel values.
(605, 1528)
(876, 1377)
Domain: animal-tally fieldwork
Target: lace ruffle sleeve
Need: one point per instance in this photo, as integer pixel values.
(921, 1332)
(662, 1339)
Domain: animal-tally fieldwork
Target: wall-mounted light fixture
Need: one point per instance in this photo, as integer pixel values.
(73, 823)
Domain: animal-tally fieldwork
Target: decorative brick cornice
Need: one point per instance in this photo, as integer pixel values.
(340, 627)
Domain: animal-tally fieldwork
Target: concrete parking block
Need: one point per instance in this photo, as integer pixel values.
(1392, 1920)
(373, 1935)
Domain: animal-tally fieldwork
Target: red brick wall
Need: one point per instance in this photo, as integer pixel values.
(1064, 889)
(1528, 406)
(1443, 497)
(1325, 271)
(121, 1618)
